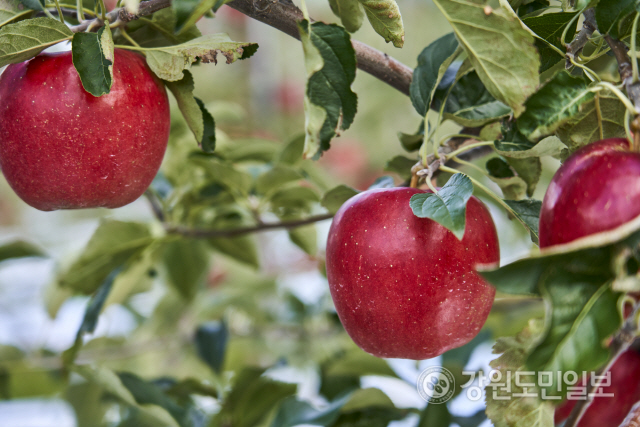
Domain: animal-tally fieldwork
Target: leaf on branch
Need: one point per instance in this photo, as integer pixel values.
(330, 104)
(400, 165)
(554, 104)
(92, 55)
(112, 244)
(335, 198)
(611, 13)
(412, 142)
(549, 28)
(293, 412)
(188, 13)
(501, 51)
(384, 16)
(433, 62)
(550, 146)
(448, 206)
(273, 179)
(25, 39)
(306, 238)
(350, 12)
(513, 187)
(529, 169)
(187, 264)
(211, 343)
(528, 213)
(208, 142)
(169, 62)
(600, 118)
(13, 10)
(510, 410)
(19, 249)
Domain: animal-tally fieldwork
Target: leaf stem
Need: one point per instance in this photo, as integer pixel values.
(104, 10)
(468, 147)
(80, 11)
(468, 164)
(305, 12)
(633, 53)
(617, 92)
(59, 11)
(130, 40)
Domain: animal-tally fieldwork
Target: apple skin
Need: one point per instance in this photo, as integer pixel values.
(595, 190)
(403, 286)
(63, 148)
(611, 411)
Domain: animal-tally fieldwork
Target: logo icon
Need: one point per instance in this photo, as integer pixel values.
(436, 384)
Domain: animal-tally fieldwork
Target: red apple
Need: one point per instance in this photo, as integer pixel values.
(611, 411)
(405, 286)
(596, 189)
(63, 148)
(110, 4)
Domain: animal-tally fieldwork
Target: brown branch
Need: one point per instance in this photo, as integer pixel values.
(201, 233)
(588, 27)
(620, 343)
(284, 15)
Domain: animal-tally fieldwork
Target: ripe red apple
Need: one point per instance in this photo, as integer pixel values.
(63, 148)
(596, 189)
(405, 286)
(611, 411)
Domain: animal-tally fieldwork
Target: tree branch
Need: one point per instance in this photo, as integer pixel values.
(200, 233)
(284, 15)
(588, 27)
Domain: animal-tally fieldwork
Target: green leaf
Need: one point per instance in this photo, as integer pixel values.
(549, 28)
(384, 16)
(554, 104)
(600, 118)
(33, 4)
(382, 182)
(529, 169)
(92, 55)
(19, 249)
(470, 104)
(223, 173)
(528, 213)
(435, 415)
(448, 206)
(306, 238)
(433, 61)
(183, 92)
(294, 412)
(334, 198)
(550, 146)
(412, 142)
(187, 264)
(512, 186)
(517, 411)
(291, 154)
(400, 165)
(25, 39)
(137, 275)
(350, 12)
(241, 249)
(580, 316)
(211, 343)
(275, 178)
(169, 62)
(610, 13)
(112, 244)
(330, 104)
(201, 7)
(13, 10)
(501, 51)
(208, 141)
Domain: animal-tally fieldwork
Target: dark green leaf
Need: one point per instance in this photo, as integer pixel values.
(550, 146)
(188, 12)
(529, 169)
(528, 212)
(554, 104)
(610, 13)
(448, 206)
(382, 182)
(550, 27)
(329, 101)
(512, 186)
(208, 142)
(33, 4)
(19, 249)
(211, 343)
(433, 61)
(498, 168)
(435, 415)
(187, 263)
(334, 198)
(474, 420)
(25, 39)
(92, 55)
(293, 412)
(412, 142)
(400, 165)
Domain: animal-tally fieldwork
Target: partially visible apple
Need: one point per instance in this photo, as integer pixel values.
(610, 411)
(595, 190)
(405, 286)
(110, 4)
(63, 148)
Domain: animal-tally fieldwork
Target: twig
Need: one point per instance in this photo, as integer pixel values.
(579, 42)
(625, 69)
(200, 233)
(284, 15)
(121, 16)
(156, 205)
(620, 343)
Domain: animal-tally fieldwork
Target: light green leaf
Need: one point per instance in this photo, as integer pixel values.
(448, 206)
(554, 104)
(385, 18)
(500, 50)
(223, 173)
(329, 103)
(334, 198)
(169, 62)
(92, 55)
(350, 12)
(529, 169)
(187, 264)
(528, 213)
(137, 275)
(276, 177)
(306, 238)
(513, 187)
(433, 61)
(294, 412)
(550, 146)
(401, 165)
(25, 39)
(12, 10)
(208, 142)
(600, 118)
(112, 244)
(293, 199)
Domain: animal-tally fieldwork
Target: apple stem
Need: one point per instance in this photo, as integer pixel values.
(635, 128)
(620, 343)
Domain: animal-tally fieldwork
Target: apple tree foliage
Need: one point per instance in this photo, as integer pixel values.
(525, 80)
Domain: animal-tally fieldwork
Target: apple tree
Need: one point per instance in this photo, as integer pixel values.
(529, 107)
